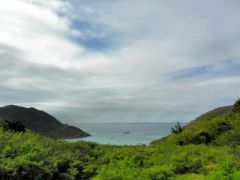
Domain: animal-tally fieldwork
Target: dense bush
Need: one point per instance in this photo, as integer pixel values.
(236, 106)
(32, 156)
(15, 126)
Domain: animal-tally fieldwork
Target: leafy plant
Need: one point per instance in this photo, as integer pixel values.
(236, 106)
(177, 129)
(15, 126)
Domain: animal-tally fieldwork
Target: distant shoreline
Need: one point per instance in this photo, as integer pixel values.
(130, 122)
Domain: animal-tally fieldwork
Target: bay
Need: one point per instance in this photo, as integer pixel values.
(124, 133)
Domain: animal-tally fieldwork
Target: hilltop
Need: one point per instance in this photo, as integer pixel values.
(40, 122)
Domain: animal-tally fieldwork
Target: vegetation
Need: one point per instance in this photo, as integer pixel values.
(178, 128)
(40, 122)
(236, 106)
(15, 126)
(207, 148)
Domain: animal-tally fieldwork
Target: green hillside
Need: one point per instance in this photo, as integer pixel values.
(220, 127)
(208, 148)
(215, 112)
(40, 122)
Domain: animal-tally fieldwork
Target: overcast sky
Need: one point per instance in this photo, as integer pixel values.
(120, 60)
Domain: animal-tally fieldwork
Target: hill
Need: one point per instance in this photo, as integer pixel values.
(40, 122)
(215, 112)
(220, 126)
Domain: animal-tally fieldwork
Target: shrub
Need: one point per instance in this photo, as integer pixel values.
(178, 128)
(161, 173)
(15, 126)
(31, 171)
(63, 166)
(195, 138)
(231, 137)
(236, 106)
(183, 167)
(220, 127)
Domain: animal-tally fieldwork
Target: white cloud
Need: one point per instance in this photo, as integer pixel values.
(135, 79)
(37, 31)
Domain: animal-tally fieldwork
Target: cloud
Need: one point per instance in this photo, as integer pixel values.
(119, 61)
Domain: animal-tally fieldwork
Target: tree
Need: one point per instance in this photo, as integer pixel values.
(236, 106)
(178, 128)
(16, 126)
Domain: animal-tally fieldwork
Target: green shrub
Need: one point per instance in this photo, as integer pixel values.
(185, 166)
(159, 173)
(15, 126)
(236, 106)
(229, 138)
(177, 129)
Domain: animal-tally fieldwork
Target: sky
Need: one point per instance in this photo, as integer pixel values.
(120, 61)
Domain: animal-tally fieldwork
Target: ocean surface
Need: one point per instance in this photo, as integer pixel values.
(125, 133)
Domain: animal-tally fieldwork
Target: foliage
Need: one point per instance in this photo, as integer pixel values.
(32, 156)
(178, 128)
(236, 106)
(15, 126)
(205, 149)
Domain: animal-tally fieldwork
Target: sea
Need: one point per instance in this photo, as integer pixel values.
(124, 133)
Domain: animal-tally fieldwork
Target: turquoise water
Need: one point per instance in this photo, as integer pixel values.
(125, 133)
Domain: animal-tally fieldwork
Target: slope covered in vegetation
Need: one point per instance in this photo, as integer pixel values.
(205, 149)
(40, 122)
(218, 127)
